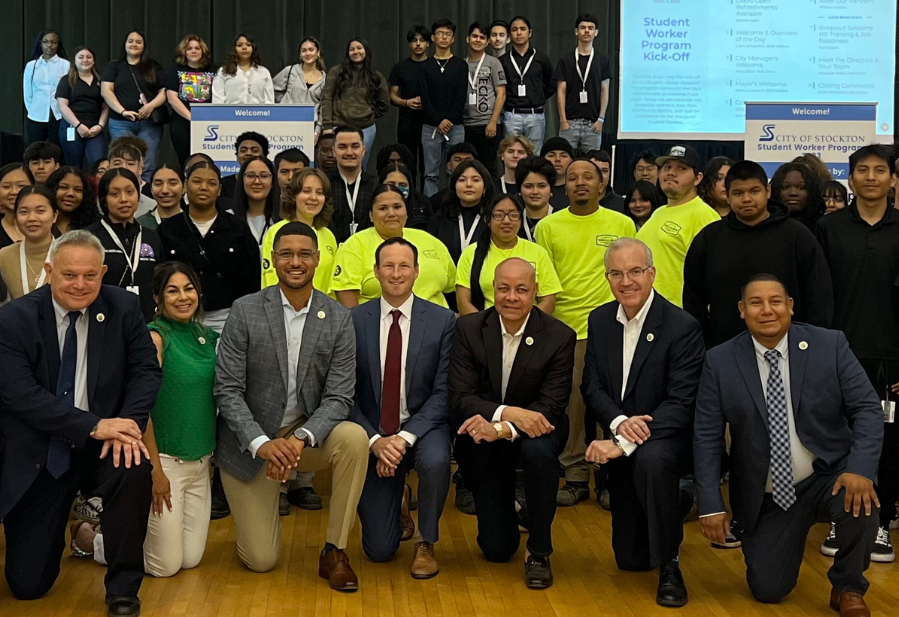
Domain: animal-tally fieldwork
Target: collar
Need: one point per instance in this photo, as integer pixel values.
(287, 305)
(890, 216)
(783, 347)
(61, 313)
(346, 180)
(52, 60)
(640, 317)
(405, 308)
(502, 325)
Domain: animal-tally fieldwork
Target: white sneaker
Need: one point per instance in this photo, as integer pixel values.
(830, 547)
(883, 548)
(894, 524)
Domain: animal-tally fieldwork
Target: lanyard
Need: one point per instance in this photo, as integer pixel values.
(473, 79)
(156, 216)
(587, 72)
(503, 183)
(466, 240)
(351, 200)
(132, 260)
(22, 262)
(521, 73)
(527, 230)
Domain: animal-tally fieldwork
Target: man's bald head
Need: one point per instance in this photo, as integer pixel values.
(514, 289)
(515, 267)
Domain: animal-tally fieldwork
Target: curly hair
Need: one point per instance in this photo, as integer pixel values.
(229, 67)
(181, 51)
(86, 213)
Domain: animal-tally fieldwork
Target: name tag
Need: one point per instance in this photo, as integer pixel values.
(522, 91)
(70, 133)
(472, 98)
(583, 96)
(889, 411)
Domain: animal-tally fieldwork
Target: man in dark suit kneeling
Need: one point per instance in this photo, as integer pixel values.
(806, 431)
(509, 382)
(641, 371)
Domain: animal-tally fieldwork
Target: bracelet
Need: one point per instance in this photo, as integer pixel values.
(603, 120)
(77, 125)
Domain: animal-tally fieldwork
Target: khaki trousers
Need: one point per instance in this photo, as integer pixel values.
(572, 457)
(254, 504)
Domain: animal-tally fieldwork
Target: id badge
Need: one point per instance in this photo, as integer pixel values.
(70, 133)
(143, 100)
(472, 98)
(133, 289)
(889, 411)
(522, 91)
(353, 228)
(583, 97)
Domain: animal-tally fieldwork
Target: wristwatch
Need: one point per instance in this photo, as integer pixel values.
(617, 443)
(304, 437)
(94, 430)
(498, 426)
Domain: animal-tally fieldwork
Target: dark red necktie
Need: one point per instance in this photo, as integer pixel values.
(393, 365)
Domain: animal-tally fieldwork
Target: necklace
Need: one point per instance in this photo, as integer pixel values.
(36, 275)
(443, 66)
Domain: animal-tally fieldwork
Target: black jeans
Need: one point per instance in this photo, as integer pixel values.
(179, 132)
(882, 375)
(42, 131)
(486, 146)
(409, 134)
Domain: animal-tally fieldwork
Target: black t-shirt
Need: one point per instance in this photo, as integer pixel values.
(129, 84)
(192, 85)
(443, 92)
(85, 101)
(566, 71)
(406, 74)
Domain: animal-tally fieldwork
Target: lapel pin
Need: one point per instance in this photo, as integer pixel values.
(803, 345)
(650, 337)
(321, 314)
(101, 317)
(202, 340)
(529, 341)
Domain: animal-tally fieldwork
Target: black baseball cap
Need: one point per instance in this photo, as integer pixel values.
(686, 154)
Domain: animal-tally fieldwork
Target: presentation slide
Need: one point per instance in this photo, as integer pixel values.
(688, 66)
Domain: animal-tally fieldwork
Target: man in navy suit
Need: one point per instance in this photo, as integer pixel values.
(402, 353)
(806, 430)
(641, 371)
(79, 379)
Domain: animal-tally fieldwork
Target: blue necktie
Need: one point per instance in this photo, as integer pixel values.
(779, 433)
(60, 451)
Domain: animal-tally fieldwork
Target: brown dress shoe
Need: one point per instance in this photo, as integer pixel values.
(424, 564)
(849, 603)
(335, 567)
(406, 521)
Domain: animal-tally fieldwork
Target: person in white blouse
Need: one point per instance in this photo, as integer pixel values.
(302, 83)
(48, 64)
(242, 80)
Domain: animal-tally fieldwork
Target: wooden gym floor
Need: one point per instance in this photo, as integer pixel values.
(586, 579)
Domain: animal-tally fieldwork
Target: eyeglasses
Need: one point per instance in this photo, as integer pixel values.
(513, 216)
(252, 177)
(632, 274)
(443, 34)
(641, 169)
(326, 151)
(289, 255)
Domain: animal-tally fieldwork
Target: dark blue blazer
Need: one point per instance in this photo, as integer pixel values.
(836, 410)
(427, 360)
(123, 377)
(664, 374)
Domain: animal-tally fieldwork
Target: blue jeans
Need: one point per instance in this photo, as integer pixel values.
(532, 126)
(435, 146)
(75, 151)
(581, 135)
(147, 130)
(368, 138)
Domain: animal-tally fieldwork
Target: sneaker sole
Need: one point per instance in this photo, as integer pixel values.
(828, 552)
(727, 546)
(878, 558)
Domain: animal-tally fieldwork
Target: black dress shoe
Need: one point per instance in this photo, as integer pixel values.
(305, 498)
(220, 507)
(537, 573)
(464, 498)
(122, 606)
(672, 590)
(283, 505)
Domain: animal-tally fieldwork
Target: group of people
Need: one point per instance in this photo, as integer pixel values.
(181, 346)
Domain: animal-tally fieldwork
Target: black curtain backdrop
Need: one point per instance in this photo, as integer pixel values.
(278, 27)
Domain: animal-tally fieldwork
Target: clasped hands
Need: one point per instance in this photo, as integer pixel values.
(532, 423)
(283, 456)
(390, 452)
(123, 437)
(635, 429)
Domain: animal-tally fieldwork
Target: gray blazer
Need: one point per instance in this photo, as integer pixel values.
(251, 374)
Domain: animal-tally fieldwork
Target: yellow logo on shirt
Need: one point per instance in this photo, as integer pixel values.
(605, 239)
(671, 228)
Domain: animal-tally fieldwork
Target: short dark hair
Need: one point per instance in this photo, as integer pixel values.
(295, 228)
(535, 165)
(40, 150)
(461, 148)
(526, 21)
(124, 151)
(291, 155)
(396, 240)
(500, 23)
(872, 150)
(443, 23)
(385, 188)
(346, 128)
(476, 25)
(831, 187)
(645, 155)
(595, 166)
(745, 170)
(762, 277)
(36, 189)
(599, 155)
(588, 18)
(421, 31)
(252, 136)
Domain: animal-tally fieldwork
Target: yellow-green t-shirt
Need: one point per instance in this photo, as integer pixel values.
(327, 249)
(576, 246)
(355, 262)
(547, 279)
(669, 232)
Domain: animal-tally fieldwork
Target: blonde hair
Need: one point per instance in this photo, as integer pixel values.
(511, 139)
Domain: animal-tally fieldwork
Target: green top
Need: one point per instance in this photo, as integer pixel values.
(184, 416)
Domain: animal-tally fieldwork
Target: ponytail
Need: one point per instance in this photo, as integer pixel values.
(477, 264)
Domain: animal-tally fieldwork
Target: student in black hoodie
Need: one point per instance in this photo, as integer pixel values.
(758, 236)
(132, 251)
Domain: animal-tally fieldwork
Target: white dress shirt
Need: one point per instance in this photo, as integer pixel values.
(633, 328)
(802, 458)
(253, 87)
(81, 329)
(511, 343)
(294, 324)
(39, 86)
(404, 323)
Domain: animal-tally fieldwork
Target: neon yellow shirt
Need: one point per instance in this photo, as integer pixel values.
(669, 232)
(327, 249)
(547, 279)
(576, 245)
(355, 262)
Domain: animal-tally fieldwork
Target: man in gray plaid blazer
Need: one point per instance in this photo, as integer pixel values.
(284, 385)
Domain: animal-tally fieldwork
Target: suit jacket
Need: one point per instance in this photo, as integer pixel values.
(251, 374)
(541, 375)
(664, 373)
(837, 414)
(123, 377)
(427, 360)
